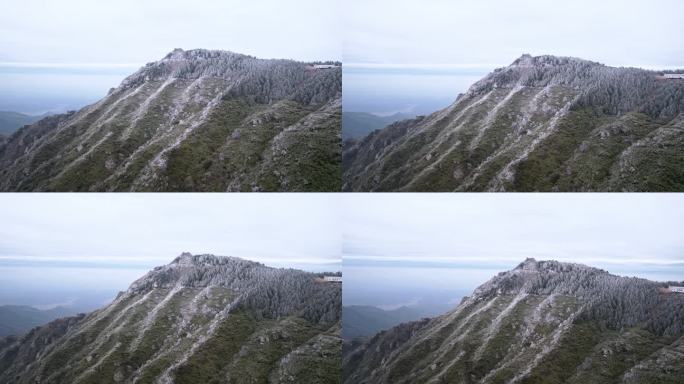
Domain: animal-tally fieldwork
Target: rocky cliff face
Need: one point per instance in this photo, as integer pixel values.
(199, 319)
(543, 123)
(196, 120)
(542, 322)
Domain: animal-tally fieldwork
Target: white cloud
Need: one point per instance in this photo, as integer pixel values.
(124, 31)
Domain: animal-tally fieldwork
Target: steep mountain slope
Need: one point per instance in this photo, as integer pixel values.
(541, 124)
(542, 322)
(18, 319)
(194, 121)
(199, 319)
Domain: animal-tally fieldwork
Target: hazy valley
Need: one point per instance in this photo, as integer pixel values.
(10, 122)
(19, 319)
(366, 320)
(356, 125)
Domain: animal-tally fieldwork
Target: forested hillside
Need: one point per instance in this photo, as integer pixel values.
(542, 322)
(543, 123)
(199, 319)
(196, 120)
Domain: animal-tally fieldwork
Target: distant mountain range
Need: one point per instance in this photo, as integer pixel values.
(543, 123)
(196, 120)
(10, 122)
(199, 319)
(542, 322)
(19, 319)
(356, 125)
(366, 320)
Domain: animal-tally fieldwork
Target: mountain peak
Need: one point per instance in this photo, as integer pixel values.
(188, 270)
(529, 264)
(183, 255)
(527, 60)
(533, 265)
(541, 71)
(188, 259)
(179, 54)
(207, 260)
(548, 276)
(252, 282)
(194, 64)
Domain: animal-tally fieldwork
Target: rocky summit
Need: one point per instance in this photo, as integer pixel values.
(543, 123)
(196, 120)
(199, 319)
(542, 322)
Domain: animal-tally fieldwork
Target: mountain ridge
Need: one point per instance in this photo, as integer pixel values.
(356, 125)
(542, 123)
(11, 121)
(200, 318)
(365, 320)
(196, 120)
(543, 321)
(19, 319)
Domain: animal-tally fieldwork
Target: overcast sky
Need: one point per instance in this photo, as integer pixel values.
(81, 249)
(403, 249)
(146, 230)
(135, 31)
(397, 248)
(620, 232)
(495, 32)
(417, 56)
(62, 55)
